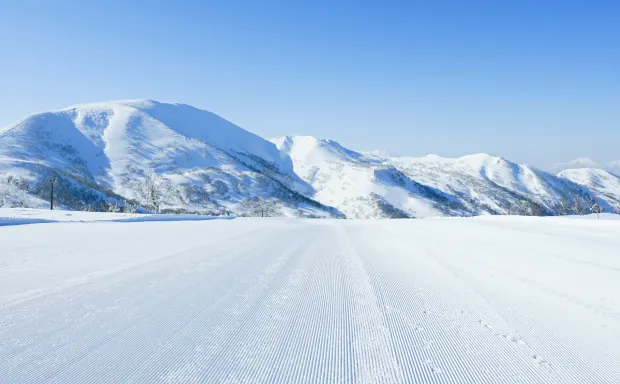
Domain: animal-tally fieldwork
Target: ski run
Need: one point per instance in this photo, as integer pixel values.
(447, 300)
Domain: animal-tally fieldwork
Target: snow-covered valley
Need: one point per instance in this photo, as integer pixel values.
(446, 300)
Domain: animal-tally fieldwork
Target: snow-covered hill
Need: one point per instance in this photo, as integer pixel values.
(580, 162)
(360, 186)
(177, 158)
(171, 154)
(484, 183)
(376, 185)
(614, 167)
(607, 184)
(584, 162)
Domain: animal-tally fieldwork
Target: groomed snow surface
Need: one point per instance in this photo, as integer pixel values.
(19, 216)
(482, 300)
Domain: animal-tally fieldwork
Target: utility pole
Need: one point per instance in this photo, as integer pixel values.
(52, 181)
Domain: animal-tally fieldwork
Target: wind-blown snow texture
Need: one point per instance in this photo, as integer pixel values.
(182, 159)
(506, 300)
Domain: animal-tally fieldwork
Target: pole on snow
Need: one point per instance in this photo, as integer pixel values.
(596, 201)
(52, 180)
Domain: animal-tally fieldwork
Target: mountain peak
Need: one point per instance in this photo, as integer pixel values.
(590, 173)
(480, 159)
(580, 162)
(107, 150)
(112, 104)
(313, 150)
(110, 148)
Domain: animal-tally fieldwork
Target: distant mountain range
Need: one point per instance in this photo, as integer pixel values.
(584, 162)
(177, 158)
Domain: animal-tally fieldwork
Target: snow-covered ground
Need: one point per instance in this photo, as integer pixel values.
(478, 300)
(18, 216)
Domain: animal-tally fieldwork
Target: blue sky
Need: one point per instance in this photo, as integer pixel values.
(533, 81)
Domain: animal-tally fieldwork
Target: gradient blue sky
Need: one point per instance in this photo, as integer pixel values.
(534, 81)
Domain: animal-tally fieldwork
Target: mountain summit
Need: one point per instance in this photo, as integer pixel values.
(173, 154)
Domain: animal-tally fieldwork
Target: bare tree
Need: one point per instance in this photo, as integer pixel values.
(151, 190)
(209, 191)
(112, 206)
(129, 207)
(3, 193)
(259, 207)
(576, 205)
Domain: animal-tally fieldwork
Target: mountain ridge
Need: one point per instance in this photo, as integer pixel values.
(433, 185)
(111, 152)
(121, 146)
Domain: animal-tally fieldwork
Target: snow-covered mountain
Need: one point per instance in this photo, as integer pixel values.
(580, 162)
(176, 158)
(484, 183)
(359, 186)
(171, 154)
(614, 167)
(584, 162)
(607, 184)
(373, 185)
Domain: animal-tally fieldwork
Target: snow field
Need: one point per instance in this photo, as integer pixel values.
(483, 300)
(20, 216)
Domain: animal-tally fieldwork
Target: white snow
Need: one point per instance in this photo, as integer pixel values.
(580, 162)
(183, 120)
(594, 216)
(446, 300)
(614, 167)
(18, 216)
(347, 180)
(425, 186)
(115, 146)
(584, 162)
(111, 152)
(607, 184)
(482, 177)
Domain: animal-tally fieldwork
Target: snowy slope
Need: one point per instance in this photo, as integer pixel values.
(584, 162)
(363, 185)
(505, 300)
(176, 158)
(115, 149)
(607, 184)
(357, 185)
(491, 184)
(580, 162)
(614, 167)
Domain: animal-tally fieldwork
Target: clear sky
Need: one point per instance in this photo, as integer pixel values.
(534, 81)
